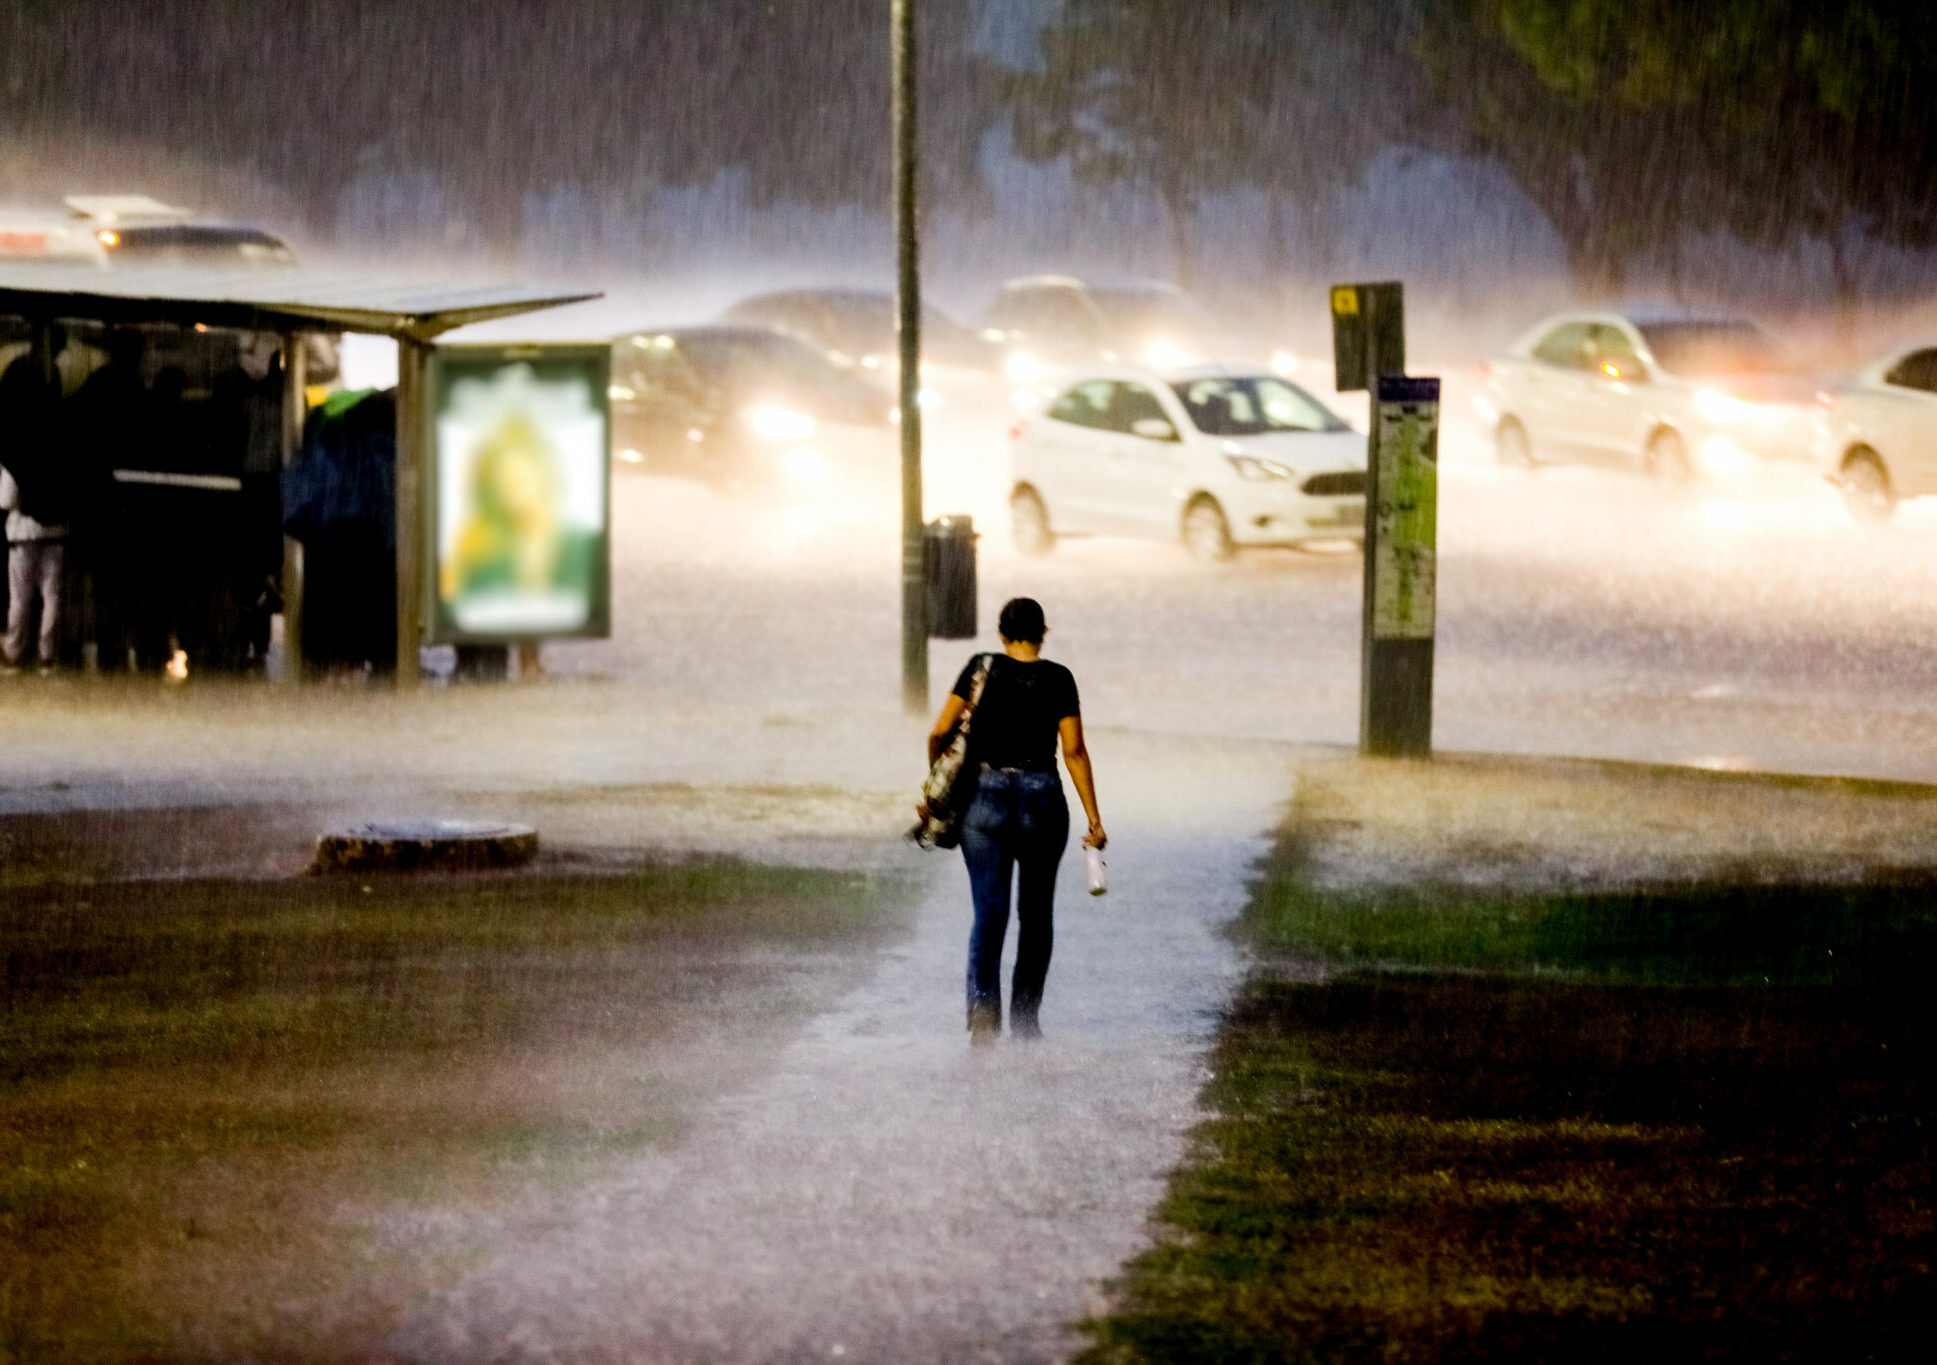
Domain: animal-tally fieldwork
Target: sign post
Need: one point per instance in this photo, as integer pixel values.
(1401, 520)
(914, 577)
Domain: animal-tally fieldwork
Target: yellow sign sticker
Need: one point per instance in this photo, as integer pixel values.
(1345, 301)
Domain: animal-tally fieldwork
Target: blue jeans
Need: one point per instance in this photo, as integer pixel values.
(1018, 821)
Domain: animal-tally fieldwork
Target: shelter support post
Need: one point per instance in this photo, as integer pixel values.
(295, 408)
(413, 372)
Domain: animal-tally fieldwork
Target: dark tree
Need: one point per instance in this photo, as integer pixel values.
(499, 99)
(1630, 121)
(1187, 101)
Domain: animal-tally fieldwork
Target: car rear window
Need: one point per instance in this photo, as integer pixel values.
(1918, 370)
(1704, 349)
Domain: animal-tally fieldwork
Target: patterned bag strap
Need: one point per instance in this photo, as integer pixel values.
(983, 663)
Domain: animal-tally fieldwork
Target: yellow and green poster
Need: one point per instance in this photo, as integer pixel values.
(1406, 509)
(520, 505)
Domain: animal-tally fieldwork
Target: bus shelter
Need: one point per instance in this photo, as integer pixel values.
(41, 305)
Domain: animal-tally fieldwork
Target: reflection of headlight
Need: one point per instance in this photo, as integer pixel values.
(1022, 368)
(779, 424)
(805, 466)
(1284, 362)
(1164, 354)
(925, 399)
(1723, 458)
(1251, 467)
(631, 456)
(1721, 407)
(620, 393)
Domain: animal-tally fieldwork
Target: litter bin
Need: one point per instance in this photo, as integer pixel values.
(948, 559)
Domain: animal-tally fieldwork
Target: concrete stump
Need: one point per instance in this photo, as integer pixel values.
(426, 846)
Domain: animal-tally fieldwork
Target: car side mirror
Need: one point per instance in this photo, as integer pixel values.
(1153, 429)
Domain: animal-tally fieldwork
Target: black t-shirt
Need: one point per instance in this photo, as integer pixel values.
(1022, 704)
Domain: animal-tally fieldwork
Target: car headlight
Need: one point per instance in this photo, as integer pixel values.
(1251, 467)
(1022, 367)
(1163, 354)
(1721, 407)
(774, 423)
(1284, 363)
(805, 466)
(1723, 458)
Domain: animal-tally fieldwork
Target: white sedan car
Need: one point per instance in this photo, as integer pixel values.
(1219, 458)
(1877, 434)
(1673, 394)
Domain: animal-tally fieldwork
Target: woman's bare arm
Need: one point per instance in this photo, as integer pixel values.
(945, 725)
(1076, 757)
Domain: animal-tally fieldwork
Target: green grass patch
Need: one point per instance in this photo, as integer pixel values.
(1677, 1122)
(1416, 1167)
(1869, 933)
(195, 1076)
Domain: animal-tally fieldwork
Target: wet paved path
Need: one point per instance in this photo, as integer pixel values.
(889, 1194)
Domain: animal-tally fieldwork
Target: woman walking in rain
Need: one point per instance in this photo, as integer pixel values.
(1018, 822)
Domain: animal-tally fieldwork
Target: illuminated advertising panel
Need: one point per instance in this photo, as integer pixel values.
(520, 493)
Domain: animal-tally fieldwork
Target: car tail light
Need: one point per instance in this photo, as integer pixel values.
(1017, 428)
(1486, 371)
(1825, 399)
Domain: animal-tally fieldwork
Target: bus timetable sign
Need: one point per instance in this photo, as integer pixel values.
(1406, 506)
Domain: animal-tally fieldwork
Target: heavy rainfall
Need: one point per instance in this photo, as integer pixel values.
(436, 433)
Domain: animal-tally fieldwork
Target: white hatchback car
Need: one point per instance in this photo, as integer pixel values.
(1221, 458)
(1877, 434)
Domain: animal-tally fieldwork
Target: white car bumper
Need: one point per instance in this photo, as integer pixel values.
(1288, 517)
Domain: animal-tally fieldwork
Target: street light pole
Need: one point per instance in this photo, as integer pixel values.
(914, 591)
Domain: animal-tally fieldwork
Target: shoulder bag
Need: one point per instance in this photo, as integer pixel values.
(950, 785)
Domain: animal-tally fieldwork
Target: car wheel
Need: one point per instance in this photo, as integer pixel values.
(1866, 488)
(1666, 460)
(1207, 535)
(1511, 446)
(1029, 523)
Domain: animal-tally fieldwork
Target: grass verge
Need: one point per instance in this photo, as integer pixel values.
(1679, 1122)
(215, 1097)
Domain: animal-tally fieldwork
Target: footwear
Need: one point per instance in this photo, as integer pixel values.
(1022, 1024)
(984, 1025)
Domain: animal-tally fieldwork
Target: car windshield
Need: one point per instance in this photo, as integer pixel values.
(1253, 407)
(760, 357)
(196, 243)
(1153, 311)
(1709, 349)
(859, 323)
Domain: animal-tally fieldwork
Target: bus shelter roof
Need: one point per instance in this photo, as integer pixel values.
(267, 299)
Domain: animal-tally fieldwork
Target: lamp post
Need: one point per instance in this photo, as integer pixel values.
(914, 595)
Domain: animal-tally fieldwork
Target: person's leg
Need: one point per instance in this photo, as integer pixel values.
(53, 564)
(991, 866)
(20, 601)
(1043, 833)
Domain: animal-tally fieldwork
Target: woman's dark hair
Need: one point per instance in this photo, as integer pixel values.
(1021, 621)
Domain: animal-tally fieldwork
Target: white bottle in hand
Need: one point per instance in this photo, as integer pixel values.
(1097, 884)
